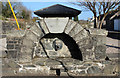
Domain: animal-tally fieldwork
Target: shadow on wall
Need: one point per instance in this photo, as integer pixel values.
(114, 35)
(69, 42)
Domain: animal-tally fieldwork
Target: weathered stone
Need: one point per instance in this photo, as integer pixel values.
(94, 31)
(43, 53)
(82, 72)
(28, 66)
(83, 42)
(17, 46)
(69, 26)
(94, 70)
(3, 54)
(26, 50)
(100, 52)
(109, 69)
(113, 55)
(87, 64)
(27, 43)
(12, 54)
(31, 36)
(75, 30)
(53, 53)
(63, 74)
(80, 36)
(36, 30)
(16, 33)
(41, 63)
(43, 26)
(48, 46)
(11, 41)
(78, 62)
(25, 58)
(52, 72)
(13, 64)
(10, 46)
(56, 25)
(52, 62)
(99, 40)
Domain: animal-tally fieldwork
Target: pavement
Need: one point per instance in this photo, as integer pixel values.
(113, 45)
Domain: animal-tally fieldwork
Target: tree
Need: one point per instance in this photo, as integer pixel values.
(35, 19)
(20, 10)
(98, 8)
(75, 18)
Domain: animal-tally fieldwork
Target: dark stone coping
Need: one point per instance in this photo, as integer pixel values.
(57, 11)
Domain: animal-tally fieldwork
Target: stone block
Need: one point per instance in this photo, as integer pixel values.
(53, 53)
(94, 31)
(12, 54)
(3, 55)
(10, 46)
(75, 30)
(69, 26)
(43, 26)
(52, 62)
(94, 70)
(53, 72)
(57, 24)
(17, 46)
(109, 69)
(11, 41)
(25, 58)
(16, 33)
(80, 36)
(27, 43)
(100, 52)
(99, 40)
(13, 64)
(43, 54)
(83, 42)
(26, 50)
(31, 36)
(36, 30)
(48, 46)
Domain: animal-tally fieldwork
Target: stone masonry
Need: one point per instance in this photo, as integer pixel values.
(34, 50)
(58, 46)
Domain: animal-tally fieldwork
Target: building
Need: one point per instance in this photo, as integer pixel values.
(112, 21)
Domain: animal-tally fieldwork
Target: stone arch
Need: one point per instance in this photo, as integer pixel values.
(67, 26)
(73, 48)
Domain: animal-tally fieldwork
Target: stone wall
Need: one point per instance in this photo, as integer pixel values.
(98, 39)
(72, 51)
(89, 44)
(14, 47)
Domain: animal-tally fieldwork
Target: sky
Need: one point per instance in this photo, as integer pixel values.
(33, 6)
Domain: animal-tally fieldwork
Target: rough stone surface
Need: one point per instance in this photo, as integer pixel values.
(36, 30)
(94, 31)
(43, 26)
(39, 54)
(100, 52)
(94, 70)
(75, 30)
(31, 36)
(69, 26)
(80, 36)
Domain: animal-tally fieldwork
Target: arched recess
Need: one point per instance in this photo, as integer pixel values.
(69, 42)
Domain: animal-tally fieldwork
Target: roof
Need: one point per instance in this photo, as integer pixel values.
(57, 11)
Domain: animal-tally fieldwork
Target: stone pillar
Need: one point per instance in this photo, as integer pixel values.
(99, 42)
